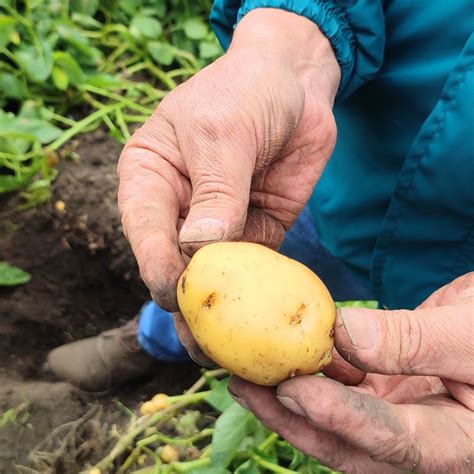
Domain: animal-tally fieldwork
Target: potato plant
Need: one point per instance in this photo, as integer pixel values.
(67, 67)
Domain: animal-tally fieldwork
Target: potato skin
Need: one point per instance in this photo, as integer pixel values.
(257, 313)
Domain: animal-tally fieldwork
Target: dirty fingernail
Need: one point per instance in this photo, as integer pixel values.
(206, 229)
(291, 405)
(361, 327)
(239, 400)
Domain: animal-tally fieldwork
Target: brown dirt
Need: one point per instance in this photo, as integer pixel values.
(85, 280)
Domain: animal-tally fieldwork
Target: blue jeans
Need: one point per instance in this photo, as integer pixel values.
(156, 333)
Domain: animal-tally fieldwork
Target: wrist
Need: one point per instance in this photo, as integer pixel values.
(284, 36)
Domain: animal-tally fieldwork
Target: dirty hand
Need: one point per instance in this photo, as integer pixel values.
(235, 152)
(417, 416)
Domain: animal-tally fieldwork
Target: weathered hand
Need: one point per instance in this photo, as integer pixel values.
(417, 416)
(233, 153)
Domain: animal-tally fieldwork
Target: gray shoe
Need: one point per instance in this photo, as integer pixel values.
(103, 362)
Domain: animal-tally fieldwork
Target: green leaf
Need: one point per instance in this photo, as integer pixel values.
(145, 26)
(162, 53)
(104, 81)
(248, 467)
(70, 66)
(12, 276)
(87, 53)
(219, 396)
(230, 430)
(41, 129)
(371, 304)
(297, 458)
(195, 28)
(13, 183)
(85, 7)
(7, 27)
(60, 78)
(86, 21)
(208, 50)
(12, 87)
(36, 65)
(210, 470)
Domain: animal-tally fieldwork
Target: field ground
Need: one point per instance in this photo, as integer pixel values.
(85, 280)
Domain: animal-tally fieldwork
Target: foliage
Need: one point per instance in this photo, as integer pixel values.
(67, 67)
(16, 415)
(12, 276)
(371, 304)
(224, 440)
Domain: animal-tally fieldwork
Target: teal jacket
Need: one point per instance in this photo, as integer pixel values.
(396, 201)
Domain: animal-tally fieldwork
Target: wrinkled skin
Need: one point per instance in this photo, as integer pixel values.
(418, 415)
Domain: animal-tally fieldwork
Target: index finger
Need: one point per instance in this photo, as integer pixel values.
(151, 194)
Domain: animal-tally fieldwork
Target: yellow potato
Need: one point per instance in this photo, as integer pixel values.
(257, 313)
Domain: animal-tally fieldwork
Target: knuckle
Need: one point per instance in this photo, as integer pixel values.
(400, 452)
(209, 129)
(411, 349)
(402, 449)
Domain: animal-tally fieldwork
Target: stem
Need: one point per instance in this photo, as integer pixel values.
(161, 75)
(269, 441)
(123, 126)
(135, 118)
(272, 467)
(117, 97)
(129, 461)
(145, 422)
(81, 125)
(189, 465)
(180, 442)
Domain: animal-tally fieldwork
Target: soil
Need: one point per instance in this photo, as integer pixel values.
(84, 280)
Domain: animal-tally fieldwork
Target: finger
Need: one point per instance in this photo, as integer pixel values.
(430, 341)
(462, 392)
(406, 436)
(339, 369)
(190, 343)
(263, 229)
(298, 431)
(462, 286)
(152, 192)
(220, 163)
(149, 196)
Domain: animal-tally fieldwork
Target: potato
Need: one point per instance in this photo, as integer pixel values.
(257, 313)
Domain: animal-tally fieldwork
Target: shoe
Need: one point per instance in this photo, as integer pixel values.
(100, 363)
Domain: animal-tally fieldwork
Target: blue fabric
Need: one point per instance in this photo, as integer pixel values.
(359, 52)
(156, 333)
(396, 201)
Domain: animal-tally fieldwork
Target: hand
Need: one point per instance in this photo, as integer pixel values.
(232, 154)
(416, 416)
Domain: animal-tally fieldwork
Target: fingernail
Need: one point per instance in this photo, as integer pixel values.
(206, 363)
(362, 331)
(207, 229)
(291, 405)
(239, 400)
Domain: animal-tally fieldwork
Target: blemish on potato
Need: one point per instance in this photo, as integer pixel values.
(209, 301)
(297, 317)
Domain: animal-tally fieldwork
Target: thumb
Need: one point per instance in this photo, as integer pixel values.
(432, 341)
(220, 169)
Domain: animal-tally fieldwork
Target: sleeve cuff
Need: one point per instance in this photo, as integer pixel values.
(330, 19)
(329, 16)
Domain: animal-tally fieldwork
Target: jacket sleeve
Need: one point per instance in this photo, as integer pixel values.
(355, 29)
